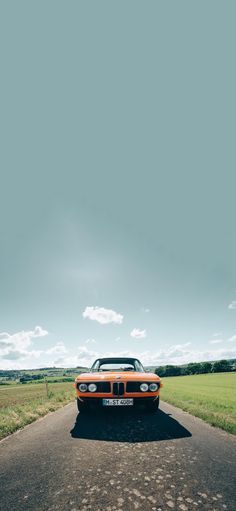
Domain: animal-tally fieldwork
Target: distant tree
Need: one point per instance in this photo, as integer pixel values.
(185, 371)
(23, 379)
(168, 370)
(193, 368)
(173, 370)
(160, 371)
(221, 366)
(205, 367)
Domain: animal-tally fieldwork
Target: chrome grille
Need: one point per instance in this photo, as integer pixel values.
(118, 388)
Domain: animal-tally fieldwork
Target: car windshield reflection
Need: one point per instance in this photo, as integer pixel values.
(116, 367)
(117, 364)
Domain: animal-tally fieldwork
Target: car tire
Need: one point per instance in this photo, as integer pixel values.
(153, 406)
(82, 407)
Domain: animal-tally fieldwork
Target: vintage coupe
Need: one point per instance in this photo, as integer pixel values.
(119, 381)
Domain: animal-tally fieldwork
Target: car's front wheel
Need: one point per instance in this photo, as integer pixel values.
(82, 407)
(153, 405)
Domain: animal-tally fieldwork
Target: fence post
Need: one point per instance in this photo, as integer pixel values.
(46, 383)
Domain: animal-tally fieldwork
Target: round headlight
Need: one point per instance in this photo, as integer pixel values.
(153, 387)
(144, 387)
(92, 387)
(83, 387)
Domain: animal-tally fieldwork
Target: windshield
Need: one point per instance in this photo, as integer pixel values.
(117, 365)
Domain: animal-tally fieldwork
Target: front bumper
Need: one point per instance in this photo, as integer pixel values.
(94, 402)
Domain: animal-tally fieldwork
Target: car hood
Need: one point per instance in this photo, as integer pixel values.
(120, 376)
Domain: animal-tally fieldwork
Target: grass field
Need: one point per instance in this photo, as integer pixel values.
(211, 397)
(22, 404)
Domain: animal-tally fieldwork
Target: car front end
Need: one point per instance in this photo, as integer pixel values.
(125, 386)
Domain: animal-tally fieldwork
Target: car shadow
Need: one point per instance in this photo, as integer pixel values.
(126, 426)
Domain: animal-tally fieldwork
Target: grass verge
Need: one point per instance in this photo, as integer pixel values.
(212, 397)
(23, 404)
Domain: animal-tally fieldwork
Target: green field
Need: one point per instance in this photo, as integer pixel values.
(23, 404)
(211, 397)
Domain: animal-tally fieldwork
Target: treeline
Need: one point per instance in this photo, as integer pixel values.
(31, 377)
(34, 379)
(220, 366)
(10, 374)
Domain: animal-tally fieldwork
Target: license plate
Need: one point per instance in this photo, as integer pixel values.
(117, 402)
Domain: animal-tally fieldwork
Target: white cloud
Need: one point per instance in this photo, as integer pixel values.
(4, 335)
(232, 305)
(15, 346)
(39, 332)
(84, 352)
(102, 315)
(216, 341)
(21, 355)
(232, 339)
(138, 334)
(90, 341)
(217, 334)
(84, 358)
(58, 349)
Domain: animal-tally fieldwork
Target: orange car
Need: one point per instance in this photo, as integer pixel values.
(117, 382)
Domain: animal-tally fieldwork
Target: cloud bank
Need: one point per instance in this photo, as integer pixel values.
(176, 354)
(16, 349)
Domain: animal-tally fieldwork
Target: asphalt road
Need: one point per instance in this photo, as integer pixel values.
(118, 460)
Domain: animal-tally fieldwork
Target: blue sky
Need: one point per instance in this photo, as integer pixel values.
(117, 211)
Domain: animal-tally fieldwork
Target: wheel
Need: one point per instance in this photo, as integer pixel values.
(153, 405)
(82, 407)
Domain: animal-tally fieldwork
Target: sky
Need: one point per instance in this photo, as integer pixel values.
(118, 182)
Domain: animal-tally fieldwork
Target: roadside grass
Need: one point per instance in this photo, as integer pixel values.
(212, 397)
(23, 404)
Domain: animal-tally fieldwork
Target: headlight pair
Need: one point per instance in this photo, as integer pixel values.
(83, 387)
(153, 387)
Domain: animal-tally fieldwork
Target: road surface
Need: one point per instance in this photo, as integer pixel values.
(118, 461)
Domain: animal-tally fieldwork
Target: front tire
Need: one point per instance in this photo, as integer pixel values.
(82, 407)
(153, 406)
